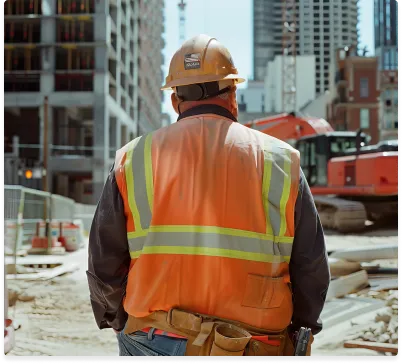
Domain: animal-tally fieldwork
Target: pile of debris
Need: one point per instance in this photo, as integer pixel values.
(385, 326)
(369, 273)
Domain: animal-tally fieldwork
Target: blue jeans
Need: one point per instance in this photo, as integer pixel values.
(148, 344)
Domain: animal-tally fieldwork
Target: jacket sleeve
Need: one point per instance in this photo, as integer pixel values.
(309, 269)
(108, 258)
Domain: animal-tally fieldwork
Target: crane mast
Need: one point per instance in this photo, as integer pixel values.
(182, 21)
(289, 55)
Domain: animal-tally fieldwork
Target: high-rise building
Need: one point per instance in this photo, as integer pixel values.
(98, 64)
(386, 33)
(322, 27)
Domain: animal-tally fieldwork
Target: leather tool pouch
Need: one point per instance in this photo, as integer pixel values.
(229, 340)
(272, 345)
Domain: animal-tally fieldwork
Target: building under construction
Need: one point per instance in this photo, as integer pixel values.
(97, 63)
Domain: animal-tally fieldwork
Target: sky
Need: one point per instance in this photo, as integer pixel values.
(230, 21)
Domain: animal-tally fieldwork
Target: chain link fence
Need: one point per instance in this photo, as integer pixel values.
(27, 211)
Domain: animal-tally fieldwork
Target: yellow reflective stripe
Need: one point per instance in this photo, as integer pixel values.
(148, 170)
(266, 180)
(285, 193)
(130, 185)
(137, 234)
(210, 240)
(225, 253)
(212, 230)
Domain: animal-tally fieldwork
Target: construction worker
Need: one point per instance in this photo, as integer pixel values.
(206, 230)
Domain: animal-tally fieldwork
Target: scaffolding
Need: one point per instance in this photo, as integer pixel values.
(75, 28)
(22, 7)
(22, 31)
(75, 7)
(70, 57)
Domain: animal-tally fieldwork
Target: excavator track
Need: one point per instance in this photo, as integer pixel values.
(340, 214)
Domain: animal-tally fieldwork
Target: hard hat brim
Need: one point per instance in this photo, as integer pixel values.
(201, 79)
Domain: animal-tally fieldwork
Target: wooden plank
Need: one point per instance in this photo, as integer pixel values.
(347, 284)
(383, 284)
(339, 267)
(382, 347)
(368, 254)
(45, 275)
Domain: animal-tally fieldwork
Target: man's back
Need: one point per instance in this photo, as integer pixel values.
(211, 246)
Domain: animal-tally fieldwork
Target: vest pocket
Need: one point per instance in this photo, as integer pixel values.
(263, 292)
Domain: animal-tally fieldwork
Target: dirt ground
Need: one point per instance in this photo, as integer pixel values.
(59, 320)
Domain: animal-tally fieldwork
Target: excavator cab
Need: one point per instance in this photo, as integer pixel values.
(317, 150)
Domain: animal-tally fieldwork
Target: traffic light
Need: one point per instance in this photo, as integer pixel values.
(28, 174)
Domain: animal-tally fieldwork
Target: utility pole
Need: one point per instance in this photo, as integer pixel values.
(47, 205)
(182, 21)
(289, 55)
(45, 143)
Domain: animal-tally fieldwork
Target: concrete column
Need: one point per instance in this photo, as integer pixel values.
(101, 21)
(118, 42)
(49, 7)
(112, 136)
(123, 135)
(63, 122)
(101, 145)
(136, 68)
(48, 54)
(118, 134)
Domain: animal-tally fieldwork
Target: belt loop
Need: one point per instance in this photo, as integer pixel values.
(151, 333)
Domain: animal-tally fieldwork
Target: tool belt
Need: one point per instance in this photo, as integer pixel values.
(212, 336)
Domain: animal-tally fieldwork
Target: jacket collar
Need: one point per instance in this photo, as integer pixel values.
(207, 109)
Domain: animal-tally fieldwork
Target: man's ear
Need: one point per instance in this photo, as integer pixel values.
(175, 102)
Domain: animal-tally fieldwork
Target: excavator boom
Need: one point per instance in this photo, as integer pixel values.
(290, 127)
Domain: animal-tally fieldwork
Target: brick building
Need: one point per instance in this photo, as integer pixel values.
(355, 89)
(388, 108)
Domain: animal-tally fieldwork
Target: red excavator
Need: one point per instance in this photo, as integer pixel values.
(351, 181)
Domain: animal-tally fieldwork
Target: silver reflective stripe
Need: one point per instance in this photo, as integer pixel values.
(210, 240)
(140, 185)
(277, 189)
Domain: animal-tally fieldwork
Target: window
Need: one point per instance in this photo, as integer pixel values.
(364, 118)
(364, 89)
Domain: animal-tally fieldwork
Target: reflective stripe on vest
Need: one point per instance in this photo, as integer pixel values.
(276, 189)
(272, 247)
(140, 185)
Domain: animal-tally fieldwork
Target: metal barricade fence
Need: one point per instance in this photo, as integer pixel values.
(63, 208)
(26, 209)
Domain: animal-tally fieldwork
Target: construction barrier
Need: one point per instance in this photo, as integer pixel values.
(41, 221)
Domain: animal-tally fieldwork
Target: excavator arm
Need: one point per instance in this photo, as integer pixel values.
(288, 127)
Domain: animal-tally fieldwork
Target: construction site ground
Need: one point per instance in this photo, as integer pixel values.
(54, 316)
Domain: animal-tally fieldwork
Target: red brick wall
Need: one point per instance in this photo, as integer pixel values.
(371, 75)
(354, 123)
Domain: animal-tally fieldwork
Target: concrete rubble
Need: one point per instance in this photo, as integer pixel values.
(362, 273)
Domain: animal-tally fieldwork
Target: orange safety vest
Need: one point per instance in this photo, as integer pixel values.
(210, 221)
